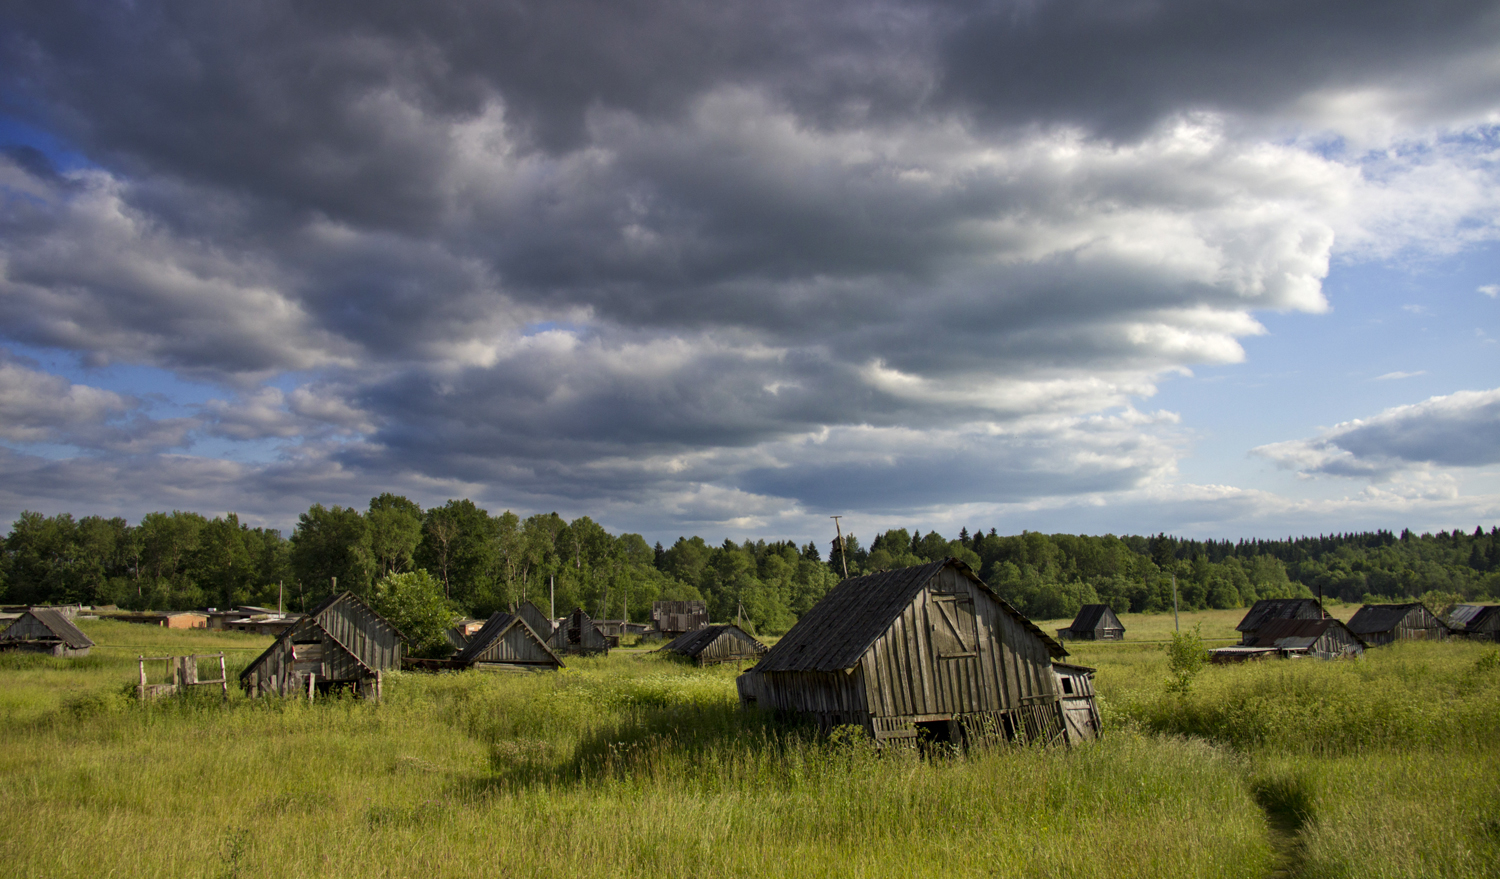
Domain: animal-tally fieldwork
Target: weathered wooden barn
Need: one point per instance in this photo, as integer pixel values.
(340, 643)
(1268, 609)
(535, 619)
(715, 644)
(1476, 622)
(1095, 622)
(672, 618)
(924, 650)
(508, 643)
(1325, 639)
(1381, 624)
(43, 630)
(577, 635)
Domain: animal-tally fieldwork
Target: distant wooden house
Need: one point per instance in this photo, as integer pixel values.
(535, 619)
(339, 643)
(1268, 609)
(1324, 639)
(576, 634)
(44, 630)
(1476, 622)
(716, 644)
(1381, 624)
(672, 618)
(1095, 622)
(508, 643)
(928, 650)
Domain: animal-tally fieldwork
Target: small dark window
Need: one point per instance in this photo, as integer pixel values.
(1067, 685)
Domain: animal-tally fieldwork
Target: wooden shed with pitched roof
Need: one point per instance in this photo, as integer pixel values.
(1268, 609)
(1095, 622)
(508, 643)
(928, 650)
(577, 635)
(722, 643)
(1476, 622)
(1325, 639)
(340, 643)
(535, 619)
(1381, 624)
(44, 630)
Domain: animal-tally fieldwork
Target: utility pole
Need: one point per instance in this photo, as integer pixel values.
(843, 556)
(280, 592)
(1176, 624)
(552, 596)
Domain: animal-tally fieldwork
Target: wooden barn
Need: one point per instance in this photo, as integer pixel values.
(577, 635)
(928, 650)
(1268, 609)
(339, 643)
(716, 644)
(672, 618)
(535, 619)
(508, 643)
(1381, 624)
(44, 630)
(1476, 622)
(1095, 622)
(1325, 639)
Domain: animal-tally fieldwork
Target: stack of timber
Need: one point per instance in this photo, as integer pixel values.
(508, 643)
(672, 618)
(1095, 622)
(577, 635)
(1476, 622)
(1381, 624)
(923, 652)
(340, 643)
(45, 630)
(1324, 639)
(716, 644)
(1268, 609)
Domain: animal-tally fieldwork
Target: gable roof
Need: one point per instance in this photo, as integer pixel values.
(840, 628)
(1092, 616)
(540, 625)
(1374, 618)
(1278, 609)
(53, 621)
(692, 643)
(493, 630)
(1471, 617)
(313, 620)
(1294, 634)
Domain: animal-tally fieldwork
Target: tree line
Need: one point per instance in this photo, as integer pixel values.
(478, 563)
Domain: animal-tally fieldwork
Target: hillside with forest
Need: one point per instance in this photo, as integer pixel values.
(483, 562)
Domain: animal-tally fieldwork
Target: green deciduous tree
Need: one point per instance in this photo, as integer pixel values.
(413, 602)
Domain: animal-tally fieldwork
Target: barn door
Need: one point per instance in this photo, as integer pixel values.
(953, 631)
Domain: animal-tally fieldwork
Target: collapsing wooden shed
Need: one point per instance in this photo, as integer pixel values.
(716, 644)
(340, 643)
(508, 643)
(43, 630)
(1268, 609)
(1324, 639)
(923, 650)
(1095, 622)
(672, 618)
(1476, 622)
(578, 635)
(1381, 624)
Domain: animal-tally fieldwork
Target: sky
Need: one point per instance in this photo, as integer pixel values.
(728, 268)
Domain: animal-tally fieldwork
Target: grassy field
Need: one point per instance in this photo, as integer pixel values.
(637, 766)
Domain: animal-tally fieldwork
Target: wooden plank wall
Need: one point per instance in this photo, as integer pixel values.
(729, 647)
(29, 628)
(905, 677)
(364, 634)
(516, 647)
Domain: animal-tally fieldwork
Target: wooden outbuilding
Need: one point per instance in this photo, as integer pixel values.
(1268, 609)
(339, 643)
(1381, 624)
(1325, 639)
(672, 618)
(922, 651)
(1080, 711)
(715, 644)
(508, 643)
(1095, 622)
(44, 630)
(1476, 622)
(577, 635)
(535, 619)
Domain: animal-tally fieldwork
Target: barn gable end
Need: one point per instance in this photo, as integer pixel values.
(340, 642)
(507, 642)
(45, 630)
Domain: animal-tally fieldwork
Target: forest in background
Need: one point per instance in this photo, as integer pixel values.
(484, 562)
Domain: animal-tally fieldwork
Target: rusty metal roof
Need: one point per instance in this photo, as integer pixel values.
(840, 628)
